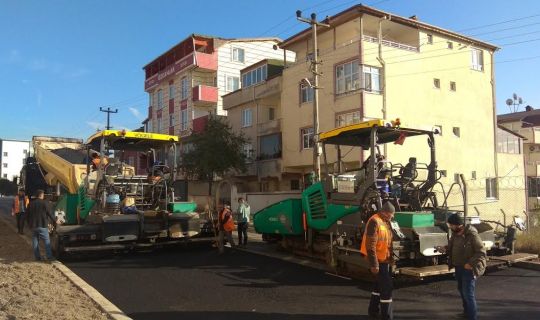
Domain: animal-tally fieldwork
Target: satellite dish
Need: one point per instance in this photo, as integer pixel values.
(509, 102)
(515, 96)
(520, 100)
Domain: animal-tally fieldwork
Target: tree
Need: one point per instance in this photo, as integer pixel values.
(214, 151)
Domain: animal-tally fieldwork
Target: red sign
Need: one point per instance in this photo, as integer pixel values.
(170, 70)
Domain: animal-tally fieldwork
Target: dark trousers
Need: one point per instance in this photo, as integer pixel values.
(242, 233)
(466, 287)
(381, 297)
(20, 221)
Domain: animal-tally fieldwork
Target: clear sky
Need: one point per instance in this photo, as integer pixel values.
(60, 60)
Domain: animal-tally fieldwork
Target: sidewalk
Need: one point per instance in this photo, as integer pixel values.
(36, 290)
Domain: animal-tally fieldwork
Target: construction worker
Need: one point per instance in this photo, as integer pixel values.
(466, 253)
(377, 248)
(243, 221)
(20, 203)
(226, 227)
(38, 216)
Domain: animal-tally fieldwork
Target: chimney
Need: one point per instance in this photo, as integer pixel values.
(529, 108)
(414, 17)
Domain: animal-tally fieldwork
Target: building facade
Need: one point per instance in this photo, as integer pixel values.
(13, 154)
(378, 65)
(186, 83)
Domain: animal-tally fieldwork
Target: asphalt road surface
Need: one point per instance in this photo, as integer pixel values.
(197, 283)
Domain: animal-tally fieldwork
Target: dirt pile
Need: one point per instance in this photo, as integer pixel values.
(36, 290)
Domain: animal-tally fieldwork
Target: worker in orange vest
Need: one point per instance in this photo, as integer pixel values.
(20, 203)
(226, 227)
(377, 248)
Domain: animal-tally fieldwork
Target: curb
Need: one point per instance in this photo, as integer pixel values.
(531, 265)
(103, 303)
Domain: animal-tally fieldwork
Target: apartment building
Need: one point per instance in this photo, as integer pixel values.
(13, 154)
(523, 127)
(186, 82)
(379, 65)
(255, 110)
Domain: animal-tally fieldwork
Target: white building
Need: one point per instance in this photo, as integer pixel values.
(13, 153)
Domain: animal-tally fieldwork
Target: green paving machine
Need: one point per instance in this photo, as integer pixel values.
(100, 200)
(329, 219)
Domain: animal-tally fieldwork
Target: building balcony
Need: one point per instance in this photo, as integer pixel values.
(269, 168)
(269, 91)
(251, 170)
(269, 127)
(204, 96)
(206, 61)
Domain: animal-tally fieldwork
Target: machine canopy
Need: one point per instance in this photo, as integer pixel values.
(130, 140)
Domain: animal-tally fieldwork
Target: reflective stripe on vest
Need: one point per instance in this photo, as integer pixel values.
(384, 239)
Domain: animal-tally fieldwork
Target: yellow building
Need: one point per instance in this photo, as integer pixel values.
(423, 74)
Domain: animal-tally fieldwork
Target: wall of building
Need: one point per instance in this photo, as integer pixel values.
(12, 156)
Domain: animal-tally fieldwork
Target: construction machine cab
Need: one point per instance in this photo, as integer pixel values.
(408, 187)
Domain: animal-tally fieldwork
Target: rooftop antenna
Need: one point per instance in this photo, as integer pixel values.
(514, 103)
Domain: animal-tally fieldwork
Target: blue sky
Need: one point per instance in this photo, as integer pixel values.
(60, 60)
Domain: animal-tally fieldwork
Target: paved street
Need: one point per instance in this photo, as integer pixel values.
(196, 283)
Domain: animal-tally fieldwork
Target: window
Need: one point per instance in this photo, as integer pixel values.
(270, 146)
(183, 119)
(534, 186)
(158, 125)
(347, 77)
(491, 188)
(171, 91)
(430, 39)
(232, 83)
(473, 175)
(131, 161)
(271, 114)
(307, 138)
(508, 143)
(452, 86)
(295, 184)
(5, 165)
(450, 45)
(254, 76)
(5, 175)
(25, 151)
(456, 131)
(306, 93)
(345, 119)
(437, 83)
(184, 88)
(171, 120)
(160, 99)
(150, 101)
(238, 55)
(246, 117)
(247, 150)
(477, 59)
(5, 154)
(372, 79)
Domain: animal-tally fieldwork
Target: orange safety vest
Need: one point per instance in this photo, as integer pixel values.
(384, 239)
(229, 224)
(16, 204)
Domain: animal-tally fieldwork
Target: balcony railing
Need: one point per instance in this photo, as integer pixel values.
(392, 44)
(269, 127)
(204, 95)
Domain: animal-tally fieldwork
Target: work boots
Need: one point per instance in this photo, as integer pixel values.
(373, 310)
(386, 310)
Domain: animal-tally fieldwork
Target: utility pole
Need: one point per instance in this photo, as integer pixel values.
(109, 111)
(315, 70)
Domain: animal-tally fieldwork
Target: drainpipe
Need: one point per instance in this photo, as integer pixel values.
(383, 65)
(361, 62)
(493, 100)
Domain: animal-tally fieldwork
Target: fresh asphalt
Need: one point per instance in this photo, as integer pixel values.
(194, 282)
